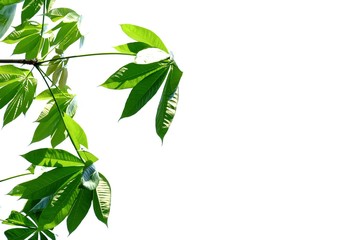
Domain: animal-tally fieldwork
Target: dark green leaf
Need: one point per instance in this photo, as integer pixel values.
(168, 102)
(34, 237)
(30, 8)
(8, 2)
(49, 157)
(132, 48)
(7, 14)
(46, 184)
(144, 35)
(102, 200)
(60, 204)
(50, 234)
(143, 92)
(79, 209)
(131, 74)
(18, 219)
(18, 233)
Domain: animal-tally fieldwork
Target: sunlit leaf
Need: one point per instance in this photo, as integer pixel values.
(102, 200)
(30, 8)
(65, 14)
(144, 35)
(49, 157)
(143, 92)
(46, 184)
(132, 48)
(131, 74)
(76, 132)
(67, 35)
(60, 204)
(79, 209)
(18, 219)
(7, 14)
(168, 102)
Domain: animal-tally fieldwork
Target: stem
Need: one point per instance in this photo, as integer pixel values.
(84, 55)
(44, 76)
(20, 175)
(20, 61)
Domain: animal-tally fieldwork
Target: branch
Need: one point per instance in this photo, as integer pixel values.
(20, 61)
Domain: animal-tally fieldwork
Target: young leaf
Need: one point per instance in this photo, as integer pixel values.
(67, 14)
(79, 209)
(144, 35)
(60, 204)
(102, 200)
(143, 92)
(131, 74)
(49, 157)
(168, 102)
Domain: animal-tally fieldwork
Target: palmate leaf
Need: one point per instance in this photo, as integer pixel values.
(131, 74)
(46, 184)
(49, 157)
(132, 48)
(30, 8)
(76, 132)
(168, 102)
(19, 233)
(18, 90)
(68, 34)
(143, 92)
(144, 35)
(7, 13)
(18, 219)
(22, 31)
(79, 209)
(61, 204)
(102, 200)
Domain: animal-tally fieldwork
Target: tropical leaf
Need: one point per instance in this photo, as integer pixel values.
(102, 200)
(64, 14)
(18, 219)
(61, 204)
(131, 74)
(144, 35)
(49, 157)
(30, 8)
(68, 34)
(9, 2)
(75, 131)
(143, 92)
(7, 13)
(19, 233)
(168, 102)
(79, 209)
(132, 48)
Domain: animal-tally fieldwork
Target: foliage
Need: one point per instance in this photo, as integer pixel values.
(71, 183)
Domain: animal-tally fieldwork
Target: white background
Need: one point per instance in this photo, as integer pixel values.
(265, 143)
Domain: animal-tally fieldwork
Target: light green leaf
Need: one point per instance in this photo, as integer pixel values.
(76, 132)
(8, 92)
(7, 14)
(29, 45)
(67, 35)
(144, 35)
(132, 48)
(18, 233)
(60, 204)
(10, 73)
(168, 102)
(131, 74)
(102, 200)
(46, 184)
(88, 157)
(79, 209)
(66, 14)
(143, 92)
(49, 157)
(30, 8)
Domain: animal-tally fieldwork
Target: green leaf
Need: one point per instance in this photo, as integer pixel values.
(7, 14)
(34, 237)
(132, 48)
(30, 8)
(10, 74)
(102, 200)
(66, 14)
(168, 102)
(131, 74)
(49, 157)
(60, 204)
(49, 234)
(7, 93)
(76, 132)
(143, 92)
(22, 100)
(67, 35)
(144, 35)
(29, 45)
(8, 2)
(18, 233)
(88, 157)
(18, 219)
(79, 209)
(46, 184)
